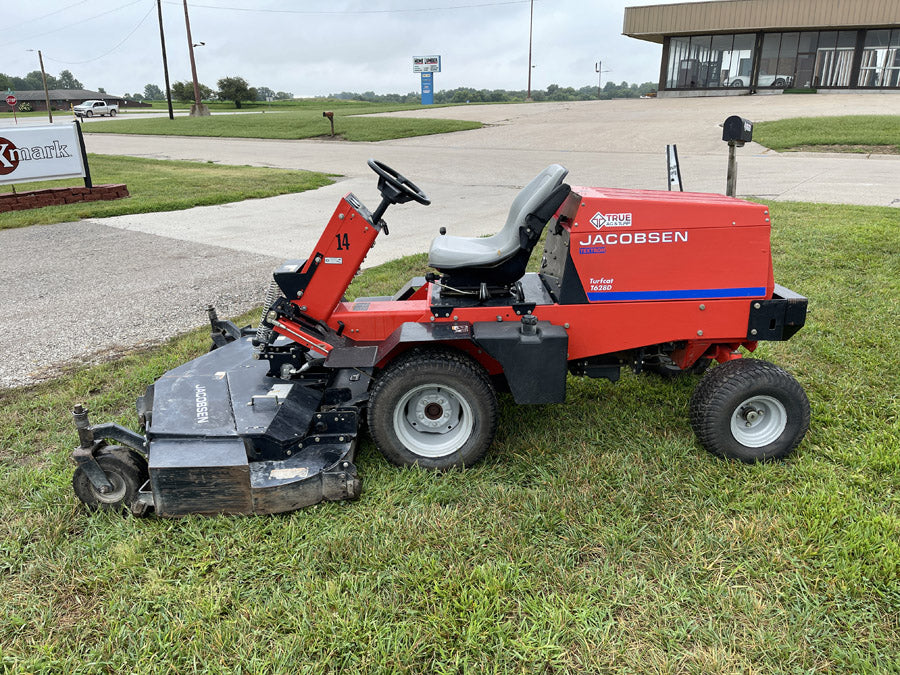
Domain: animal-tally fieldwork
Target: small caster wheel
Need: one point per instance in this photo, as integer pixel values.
(125, 469)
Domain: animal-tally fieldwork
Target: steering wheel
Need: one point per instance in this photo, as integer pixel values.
(395, 188)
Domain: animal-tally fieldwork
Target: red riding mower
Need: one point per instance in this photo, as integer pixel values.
(267, 421)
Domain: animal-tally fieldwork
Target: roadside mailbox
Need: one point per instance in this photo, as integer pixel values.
(737, 130)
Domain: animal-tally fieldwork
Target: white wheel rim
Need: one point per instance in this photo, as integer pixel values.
(433, 420)
(116, 494)
(758, 421)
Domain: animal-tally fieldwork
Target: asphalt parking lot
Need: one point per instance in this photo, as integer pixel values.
(89, 290)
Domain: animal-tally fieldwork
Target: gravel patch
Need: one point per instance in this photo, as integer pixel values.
(84, 292)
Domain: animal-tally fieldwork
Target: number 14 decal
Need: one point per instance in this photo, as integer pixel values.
(343, 241)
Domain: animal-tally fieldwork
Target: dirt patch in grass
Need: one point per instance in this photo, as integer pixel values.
(853, 149)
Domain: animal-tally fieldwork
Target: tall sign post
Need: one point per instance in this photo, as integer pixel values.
(11, 101)
(427, 66)
(427, 88)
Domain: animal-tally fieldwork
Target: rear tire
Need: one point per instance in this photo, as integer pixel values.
(750, 410)
(434, 409)
(124, 468)
(112, 113)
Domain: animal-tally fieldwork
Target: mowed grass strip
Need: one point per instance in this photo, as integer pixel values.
(290, 123)
(848, 133)
(164, 185)
(595, 536)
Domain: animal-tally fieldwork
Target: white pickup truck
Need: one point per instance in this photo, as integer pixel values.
(92, 108)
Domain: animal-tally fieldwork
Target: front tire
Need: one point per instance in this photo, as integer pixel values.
(750, 410)
(124, 468)
(89, 113)
(434, 409)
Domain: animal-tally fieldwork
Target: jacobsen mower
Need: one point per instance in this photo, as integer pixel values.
(268, 420)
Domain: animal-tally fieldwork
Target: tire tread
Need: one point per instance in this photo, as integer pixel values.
(452, 363)
(726, 382)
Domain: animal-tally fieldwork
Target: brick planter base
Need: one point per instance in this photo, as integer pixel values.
(56, 196)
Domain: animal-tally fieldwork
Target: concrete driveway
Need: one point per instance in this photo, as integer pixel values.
(115, 282)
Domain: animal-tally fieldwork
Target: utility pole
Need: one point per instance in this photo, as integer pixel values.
(530, 32)
(44, 80)
(198, 109)
(162, 39)
(598, 68)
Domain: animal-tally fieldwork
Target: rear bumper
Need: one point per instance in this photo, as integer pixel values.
(779, 318)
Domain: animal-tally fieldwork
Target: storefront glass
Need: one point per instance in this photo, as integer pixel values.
(880, 64)
(803, 59)
(709, 61)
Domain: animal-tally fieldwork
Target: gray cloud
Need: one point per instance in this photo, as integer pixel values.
(316, 48)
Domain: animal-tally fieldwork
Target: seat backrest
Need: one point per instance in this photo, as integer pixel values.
(528, 199)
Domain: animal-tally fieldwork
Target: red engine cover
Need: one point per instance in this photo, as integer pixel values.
(632, 245)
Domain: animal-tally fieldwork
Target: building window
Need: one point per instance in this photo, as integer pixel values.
(741, 65)
(834, 58)
(778, 60)
(709, 61)
(807, 59)
(678, 52)
(880, 63)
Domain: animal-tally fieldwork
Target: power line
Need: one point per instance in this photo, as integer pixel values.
(38, 18)
(74, 23)
(132, 32)
(356, 11)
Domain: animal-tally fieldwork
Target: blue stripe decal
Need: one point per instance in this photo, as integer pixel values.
(689, 294)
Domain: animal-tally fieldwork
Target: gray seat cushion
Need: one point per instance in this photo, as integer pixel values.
(449, 252)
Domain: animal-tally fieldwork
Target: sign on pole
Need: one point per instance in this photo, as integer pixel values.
(427, 88)
(427, 66)
(674, 168)
(41, 153)
(11, 100)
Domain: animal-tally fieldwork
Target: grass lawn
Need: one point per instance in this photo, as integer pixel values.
(594, 536)
(291, 122)
(850, 133)
(162, 185)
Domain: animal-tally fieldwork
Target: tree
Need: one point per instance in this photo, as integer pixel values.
(33, 81)
(66, 80)
(153, 93)
(283, 96)
(235, 89)
(101, 90)
(263, 94)
(184, 91)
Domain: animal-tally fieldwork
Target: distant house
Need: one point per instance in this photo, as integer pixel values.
(64, 99)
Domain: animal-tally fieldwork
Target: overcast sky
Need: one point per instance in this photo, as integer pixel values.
(317, 47)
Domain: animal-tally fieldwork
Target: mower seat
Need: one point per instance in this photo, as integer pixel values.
(496, 259)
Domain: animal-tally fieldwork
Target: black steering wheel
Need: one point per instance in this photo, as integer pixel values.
(395, 188)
